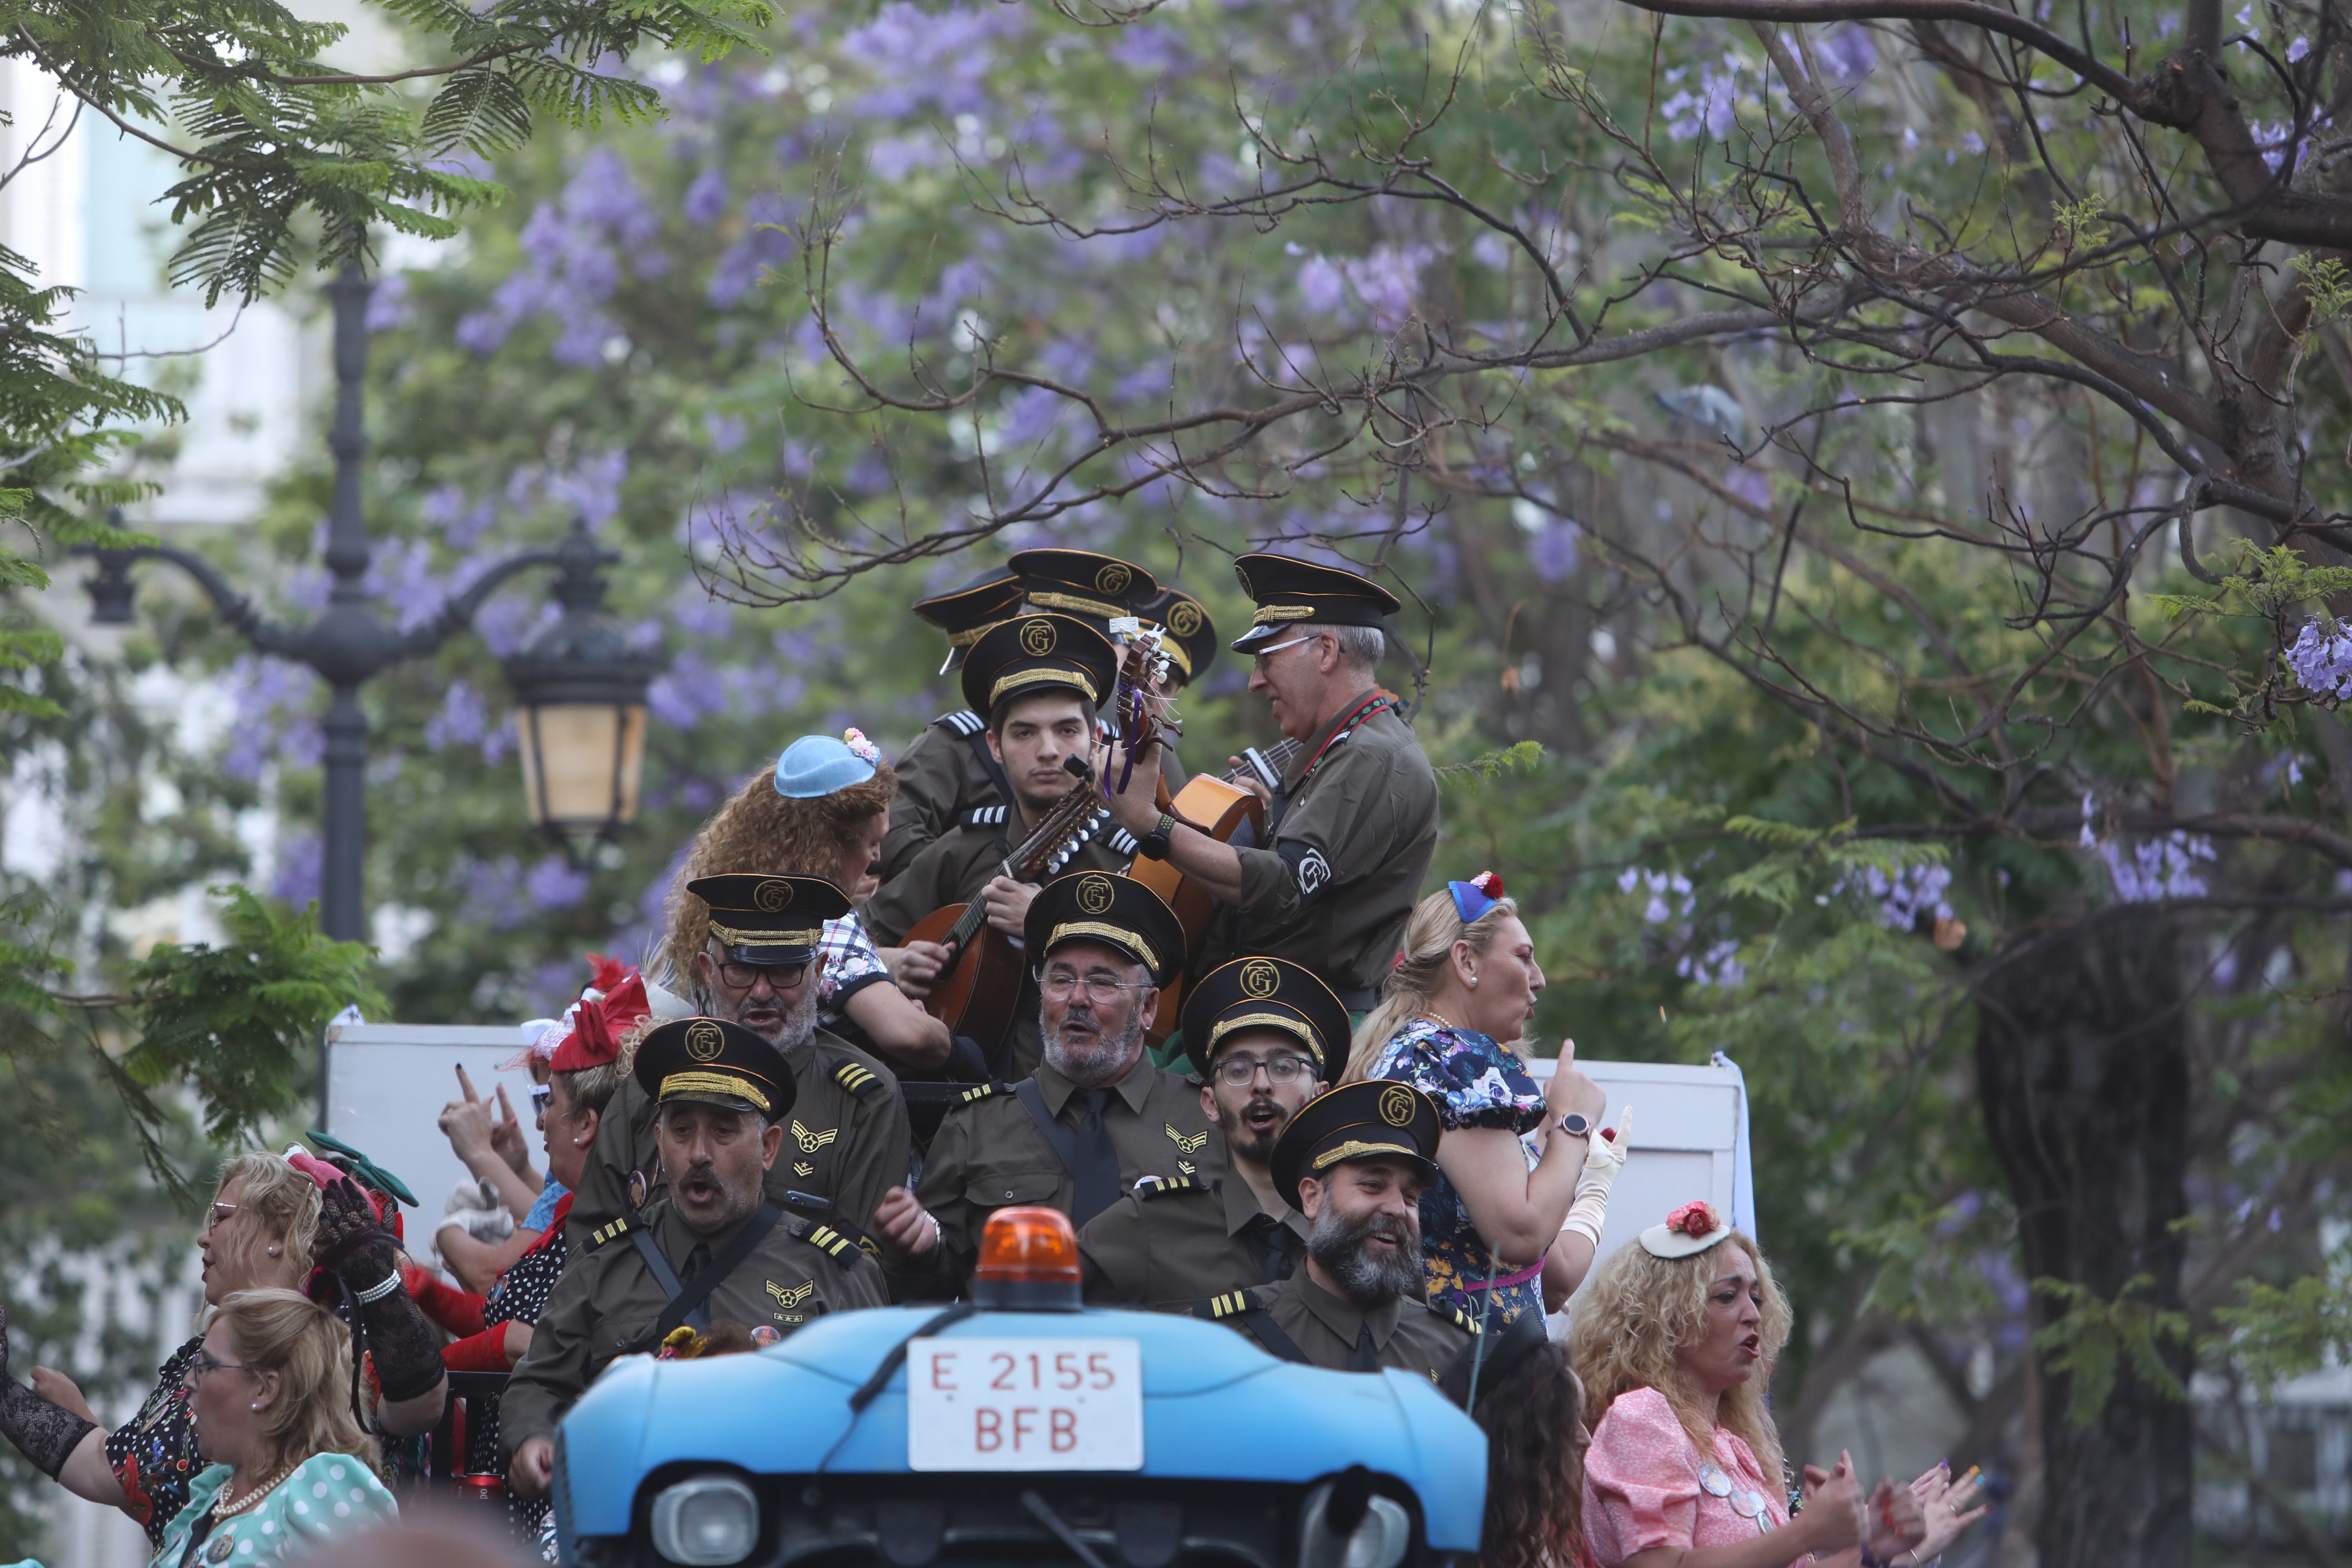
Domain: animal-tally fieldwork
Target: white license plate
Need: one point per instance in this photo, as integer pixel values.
(1025, 1404)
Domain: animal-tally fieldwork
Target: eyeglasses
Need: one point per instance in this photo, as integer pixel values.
(1236, 1072)
(1266, 653)
(781, 976)
(207, 1362)
(217, 1216)
(541, 1093)
(1101, 990)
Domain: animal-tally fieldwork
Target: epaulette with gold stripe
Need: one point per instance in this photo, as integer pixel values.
(1455, 1315)
(1160, 1187)
(857, 1078)
(982, 1091)
(604, 1233)
(829, 1241)
(1232, 1304)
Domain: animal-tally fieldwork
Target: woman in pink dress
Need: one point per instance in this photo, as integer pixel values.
(1675, 1342)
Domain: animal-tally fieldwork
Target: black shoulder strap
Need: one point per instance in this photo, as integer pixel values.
(977, 739)
(686, 1301)
(1061, 1139)
(1249, 1307)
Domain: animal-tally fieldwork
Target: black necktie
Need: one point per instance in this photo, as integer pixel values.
(1279, 1258)
(1094, 1181)
(697, 1261)
(1366, 1356)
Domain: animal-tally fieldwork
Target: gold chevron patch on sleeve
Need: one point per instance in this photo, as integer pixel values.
(788, 1300)
(811, 1143)
(1186, 1145)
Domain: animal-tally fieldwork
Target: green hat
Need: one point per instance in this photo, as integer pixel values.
(768, 918)
(717, 1063)
(965, 612)
(1096, 588)
(1374, 1119)
(1118, 912)
(1300, 592)
(1039, 653)
(1192, 640)
(1264, 993)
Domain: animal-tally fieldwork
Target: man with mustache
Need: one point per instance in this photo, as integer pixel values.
(711, 1248)
(1261, 1033)
(1353, 1162)
(1096, 1117)
(846, 1143)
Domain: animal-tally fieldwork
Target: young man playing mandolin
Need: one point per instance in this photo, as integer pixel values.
(1039, 678)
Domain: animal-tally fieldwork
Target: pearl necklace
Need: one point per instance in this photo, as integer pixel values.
(230, 1510)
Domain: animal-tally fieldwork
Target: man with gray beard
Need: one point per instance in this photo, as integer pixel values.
(1093, 1119)
(1354, 1161)
(845, 1142)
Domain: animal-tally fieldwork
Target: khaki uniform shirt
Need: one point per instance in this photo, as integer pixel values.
(941, 777)
(1408, 1335)
(955, 866)
(989, 1154)
(606, 1304)
(1334, 891)
(845, 1141)
(1171, 1241)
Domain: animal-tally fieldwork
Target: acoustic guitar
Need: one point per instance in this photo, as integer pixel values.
(978, 993)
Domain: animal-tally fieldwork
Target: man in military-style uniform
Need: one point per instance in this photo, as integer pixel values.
(1353, 1162)
(1261, 1034)
(1040, 680)
(709, 1248)
(949, 769)
(846, 1143)
(1094, 1119)
(1102, 591)
(1354, 820)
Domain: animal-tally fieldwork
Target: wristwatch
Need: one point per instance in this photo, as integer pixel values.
(1575, 1125)
(1154, 844)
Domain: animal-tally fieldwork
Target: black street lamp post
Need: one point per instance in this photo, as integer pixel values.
(350, 643)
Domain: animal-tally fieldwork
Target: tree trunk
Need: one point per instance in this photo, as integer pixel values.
(2082, 1065)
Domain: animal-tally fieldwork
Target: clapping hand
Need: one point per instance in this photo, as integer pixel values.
(1945, 1505)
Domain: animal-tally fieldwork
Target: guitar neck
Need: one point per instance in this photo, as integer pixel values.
(1277, 758)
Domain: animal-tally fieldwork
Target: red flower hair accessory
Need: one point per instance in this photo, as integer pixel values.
(1695, 1220)
(1474, 897)
(1689, 1230)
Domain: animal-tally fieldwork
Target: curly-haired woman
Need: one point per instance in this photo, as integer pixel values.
(1517, 1384)
(1676, 1339)
(820, 811)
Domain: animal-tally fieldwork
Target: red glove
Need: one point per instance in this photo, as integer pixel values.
(482, 1351)
(454, 1311)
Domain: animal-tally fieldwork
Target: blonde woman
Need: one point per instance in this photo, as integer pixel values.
(265, 1229)
(1675, 1343)
(1509, 1219)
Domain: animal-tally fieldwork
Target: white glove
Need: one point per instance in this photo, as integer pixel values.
(1602, 1159)
(475, 1209)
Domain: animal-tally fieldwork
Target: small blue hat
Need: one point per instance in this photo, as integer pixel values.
(817, 766)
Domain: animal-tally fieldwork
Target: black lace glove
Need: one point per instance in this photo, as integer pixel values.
(43, 1433)
(407, 1348)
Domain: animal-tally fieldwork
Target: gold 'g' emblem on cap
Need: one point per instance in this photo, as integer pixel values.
(1185, 619)
(1095, 892)
(704, 1041)
(772, 895)
(1260, 978)
(1113, 579)
(1396, 1106)
(1037, 637)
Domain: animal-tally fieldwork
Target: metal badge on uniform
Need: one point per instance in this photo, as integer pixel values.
(637, 1189)
(1717, 1483)
(765, 1334)
(220, 1549)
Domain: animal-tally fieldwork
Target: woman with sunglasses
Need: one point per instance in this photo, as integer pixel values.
(270, 1225)
(1509, 1224)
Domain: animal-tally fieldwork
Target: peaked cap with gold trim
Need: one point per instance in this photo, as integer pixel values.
(1264, 993)
(1375, 1119)
(1192, 640)
(768, 918)
(1118, 912)
(718, 1063)
(968, 610)
(1038, 653)
(1301, 593)
(1098, 589)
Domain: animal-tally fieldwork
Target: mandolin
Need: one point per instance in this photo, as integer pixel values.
(978, 991)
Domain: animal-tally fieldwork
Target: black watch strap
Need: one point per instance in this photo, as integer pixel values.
(1154, 844)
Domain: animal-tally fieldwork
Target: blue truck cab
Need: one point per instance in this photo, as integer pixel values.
(1016, 1427)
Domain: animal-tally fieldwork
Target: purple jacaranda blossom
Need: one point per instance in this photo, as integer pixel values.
(705, 201)
(1711, 106)
(553, 885)
(2159, 869)
(1752, 484)
(685, 693)
(1847, 50)
(1718, 965)
(1322, 287)
(1388, 282)
(1553, 550)
(2321, 660)
(767, 241)
(591, 489)
(508, 620)
(574, 253)
(1149, 48)
(300, 870)
(892, 158)
(1901, 899)
(461, 525)
(694, 612)
(388, 306)
(928, 58)
(724, 431)
(275, 722)
(462, 721)
(1672, 898)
